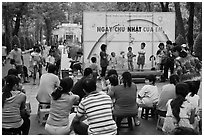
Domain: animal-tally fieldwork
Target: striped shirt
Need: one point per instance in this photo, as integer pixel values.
(97, 106)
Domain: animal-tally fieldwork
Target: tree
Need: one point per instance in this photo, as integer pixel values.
(52, 13)
(22, 41)
(190, 26)
(27, 42)
(16, 41)
(165, 6)
(197, 47)
(179, 20)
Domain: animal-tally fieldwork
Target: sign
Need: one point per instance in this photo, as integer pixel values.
(119, 30)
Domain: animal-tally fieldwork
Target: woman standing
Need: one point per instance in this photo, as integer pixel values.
(59, 119)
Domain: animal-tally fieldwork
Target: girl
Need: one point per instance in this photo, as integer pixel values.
(141, 57)
(180, 112)
(148, 95)
(59, 119)
(113, 60)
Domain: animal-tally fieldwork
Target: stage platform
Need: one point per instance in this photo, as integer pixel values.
(139, 76)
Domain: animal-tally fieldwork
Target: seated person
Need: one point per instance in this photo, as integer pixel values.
(48, 82)
(148, 95)
(168, 92)
(77, 88)
(62, 100)
(180, 112)
(14, 114)
(97, 108)
(125, 98)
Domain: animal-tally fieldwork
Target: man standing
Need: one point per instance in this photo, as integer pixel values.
(17, 56)
(169, 60)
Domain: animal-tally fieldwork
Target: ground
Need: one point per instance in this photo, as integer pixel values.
(147, 127)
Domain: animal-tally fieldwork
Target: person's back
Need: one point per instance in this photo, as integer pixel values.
(168, 92)
(11, 117)
(48, 82)
(125, 98)
(98, 108)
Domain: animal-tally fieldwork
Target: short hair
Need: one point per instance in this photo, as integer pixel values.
(161, 44)
(129, 48)
(13, 71)
(93, 59)
(52, 68)
(113, 80)
(168, 42)
(103, 47)
(143, 44)
(151, 78)
(111, 72)
(87, 71)
(193, 86)
(174, 79)
(89, 85)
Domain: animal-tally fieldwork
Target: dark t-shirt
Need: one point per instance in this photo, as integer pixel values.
(104, 59)
(78, 90)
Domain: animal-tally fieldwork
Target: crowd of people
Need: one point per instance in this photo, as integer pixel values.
(99, 112)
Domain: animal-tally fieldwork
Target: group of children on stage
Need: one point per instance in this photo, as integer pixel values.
(120, 62)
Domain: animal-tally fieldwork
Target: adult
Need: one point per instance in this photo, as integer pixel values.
(180, 112)
(48, 82)
(77, 88)
(57, 55)
(17, 56)
(168, 92)
(168, 61)
(187, 67)
(62, 100)
(97, 107)
(13, 108)
(148, 96)
(125, 98)
(103, 60)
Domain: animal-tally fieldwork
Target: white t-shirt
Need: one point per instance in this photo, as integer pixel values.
(48, 82)
(149, 94)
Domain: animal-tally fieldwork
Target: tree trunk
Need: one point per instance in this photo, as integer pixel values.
(7, 29)
(18, 19)
(179, 20)
(48, 30)
(17, 25)
(165, 7)
(190, 26)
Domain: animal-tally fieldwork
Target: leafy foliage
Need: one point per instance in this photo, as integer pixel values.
(16, 41)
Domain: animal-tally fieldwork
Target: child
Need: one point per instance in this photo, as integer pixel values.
(130, 56)
(94, 67)
(160, 56)
(141, 57)
(122, 59)
(50, 59)
(148, 95)
(113, 60)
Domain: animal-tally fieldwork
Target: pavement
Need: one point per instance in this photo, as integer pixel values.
(147, 127)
